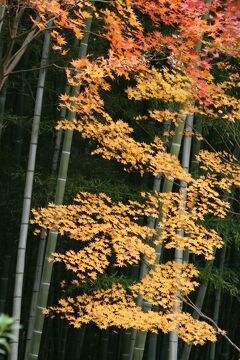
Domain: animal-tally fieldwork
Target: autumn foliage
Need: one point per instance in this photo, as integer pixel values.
(172, 60)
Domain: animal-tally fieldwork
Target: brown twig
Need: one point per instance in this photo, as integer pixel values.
(192, 305)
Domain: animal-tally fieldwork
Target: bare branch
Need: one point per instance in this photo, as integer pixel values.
(220, 331)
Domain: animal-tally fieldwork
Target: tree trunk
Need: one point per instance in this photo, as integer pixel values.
(11, 60)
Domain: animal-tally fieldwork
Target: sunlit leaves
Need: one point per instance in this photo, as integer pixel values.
(159, 286)
(171, 63)
(115, 307)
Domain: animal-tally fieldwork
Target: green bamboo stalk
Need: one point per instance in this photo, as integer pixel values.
(43, 237)
(4, 280)
(187, 143)
(196, 147)
(3, 96)
(20, 267)
(52, 237)
(21, 105)
(42, 243)
(138, 340)
(199, 304)
(152, 346)
(80, 337)
(36, 285)
(225, 353)
(51, 245)
(3, 91)
(130, 334)
(59, 136)
(63, 341)
(158, 179)
(217, 302)
(104, 345)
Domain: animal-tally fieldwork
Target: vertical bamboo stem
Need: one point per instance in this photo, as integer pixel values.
(17, 299)
(129, 337)
(104, 345)
(4, 280)
(3, 96)
(152, 347)
(3, 91)
(59, 136)
(217, 303)
(52, 237)
(199, 304)
(36, 285)
(173, 337)
(43, 236)
(139, 338)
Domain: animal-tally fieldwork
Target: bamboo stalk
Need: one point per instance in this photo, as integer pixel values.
(173, 337)
(63, 341)
(203, 288)
(4, 280)
(79, 338)
(217, 302)
(21, 105)
(231, 329)
(196, 147)
(59, 136)
(52, 237)
(3, 91)
(129, 336)
(139, 338)
(3, 96)
(199, 304)
(152, 346)
(20, 267)
(104, 345)
(36, 285)
(43, 237)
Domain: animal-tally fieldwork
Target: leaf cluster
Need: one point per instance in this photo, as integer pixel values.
(7, 325)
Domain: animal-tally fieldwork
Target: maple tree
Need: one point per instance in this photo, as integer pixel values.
(111, 231)
(168, 53)
(70, 15)
(185, 84)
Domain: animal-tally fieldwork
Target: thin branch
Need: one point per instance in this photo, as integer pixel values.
(220, 331)
(36, 69)
(233, 212)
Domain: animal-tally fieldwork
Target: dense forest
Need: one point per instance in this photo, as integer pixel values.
(119, 197)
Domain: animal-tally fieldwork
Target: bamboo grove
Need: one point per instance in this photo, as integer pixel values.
(119, 130)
